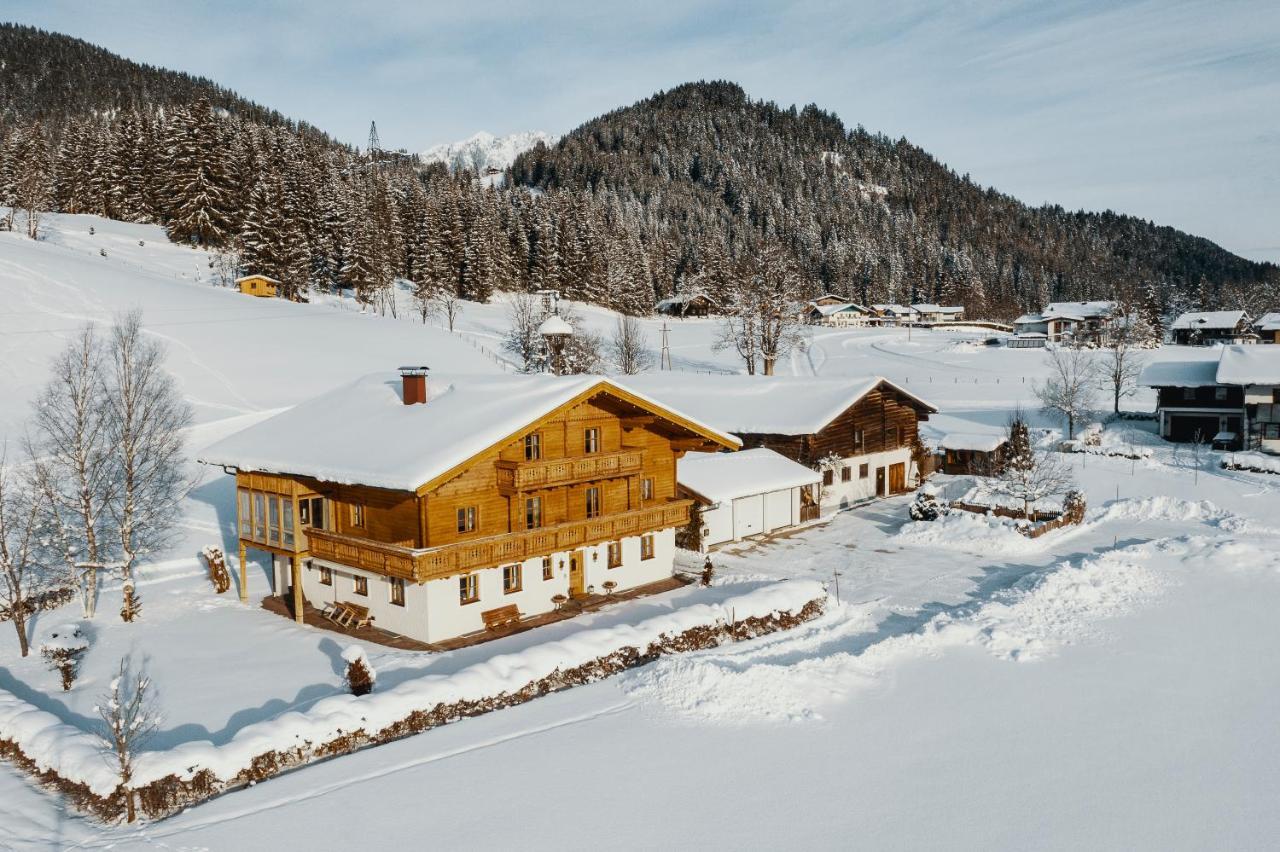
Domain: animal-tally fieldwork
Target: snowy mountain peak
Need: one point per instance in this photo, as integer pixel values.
(483, 150)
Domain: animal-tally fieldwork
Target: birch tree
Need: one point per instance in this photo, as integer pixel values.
(21, 572)
(1122, 360)
(146, 416)
(1069, 389)
(631, 352)
(71, 461)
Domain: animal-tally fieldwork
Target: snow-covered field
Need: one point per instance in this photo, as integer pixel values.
(1110, 685)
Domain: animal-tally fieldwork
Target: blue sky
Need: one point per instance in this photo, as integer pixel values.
(1165, 110)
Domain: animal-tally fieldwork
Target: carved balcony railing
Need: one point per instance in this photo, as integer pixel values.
(432, 563)
(526, 476)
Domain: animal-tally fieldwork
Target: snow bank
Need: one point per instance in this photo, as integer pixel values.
(1045, 611)
(971, 532)
(77, 756)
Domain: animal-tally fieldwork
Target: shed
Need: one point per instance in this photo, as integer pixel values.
(257, 285)
(748, 493)
(966, 453)
(687, 305)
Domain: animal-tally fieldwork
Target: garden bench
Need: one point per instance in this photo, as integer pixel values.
(500, 617)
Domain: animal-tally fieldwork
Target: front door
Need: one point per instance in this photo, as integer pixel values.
(879, 482)
(577, 585)
(897, 478)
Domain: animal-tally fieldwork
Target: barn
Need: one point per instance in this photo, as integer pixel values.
(748, 493)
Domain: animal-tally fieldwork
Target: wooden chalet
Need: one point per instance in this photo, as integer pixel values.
(258, 285)
(687, 305)
(857, 432)
(441, 507)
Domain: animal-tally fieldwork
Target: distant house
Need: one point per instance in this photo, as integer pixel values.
(972, 452)
(828, 299)
(465, 504)
(1232, 400)
(1078, 323)
(687, 305)
(748, 493)
(1267, 327)
(838, 315)
(927, 312)
(857, 432)
(894, 314)
(257, 285)
(1206, 328)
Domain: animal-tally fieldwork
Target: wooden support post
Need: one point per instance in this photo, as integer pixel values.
(244, 577)
(295, 569)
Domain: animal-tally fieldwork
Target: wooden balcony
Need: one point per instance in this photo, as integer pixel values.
(433, 563)
(527, 476)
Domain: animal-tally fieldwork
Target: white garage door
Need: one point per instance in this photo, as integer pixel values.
(777, 509)
(748, 516)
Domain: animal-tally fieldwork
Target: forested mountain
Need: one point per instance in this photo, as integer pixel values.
(686, 190)
(873, 218)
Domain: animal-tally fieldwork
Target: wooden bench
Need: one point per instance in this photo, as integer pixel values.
(349, 615)
(500, 617)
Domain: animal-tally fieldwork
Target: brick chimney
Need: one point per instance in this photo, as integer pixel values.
(414, 385)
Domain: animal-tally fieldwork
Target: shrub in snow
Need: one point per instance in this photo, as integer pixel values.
(63, 649)
(217, 568)
(130, 604)
(1073, 507)
(925, 507)
(708, 572)
(360, 675)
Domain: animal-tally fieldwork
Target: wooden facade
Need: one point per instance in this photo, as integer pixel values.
(257, 285)
(597, 469)
(884, 419)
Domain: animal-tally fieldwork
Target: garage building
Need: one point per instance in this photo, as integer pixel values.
(748, 493)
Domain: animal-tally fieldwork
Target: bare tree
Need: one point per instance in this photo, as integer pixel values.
(763, 320)
(224, 266)
(448, 305)
(131, 718)
(22, 574)
(146, 417)
(1031, 477)
(631, 352)
(583, 352)
(1122, 360)
(1069, 389)
(738, 331)
(425, 300)
(522, 340)
(72, 462)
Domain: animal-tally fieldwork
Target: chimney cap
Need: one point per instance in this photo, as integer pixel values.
(413, 371)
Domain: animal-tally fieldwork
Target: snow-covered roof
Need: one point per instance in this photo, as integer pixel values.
(979, 442)
(762, 405)
(828, 310)
(1079, 310)
(929, 308)
(718, 477)
(554, 324)
(893, 309)
(363, 433)
(1028, 319)
(1208, 319)
(257, 278)
(1269, 322)
(1249, 365)
(684, 299)
(1180, 374)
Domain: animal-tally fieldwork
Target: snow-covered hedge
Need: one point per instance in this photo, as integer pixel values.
(72, 759)
(1252, 460)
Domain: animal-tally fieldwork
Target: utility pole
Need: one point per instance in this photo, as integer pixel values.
(664, 362)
